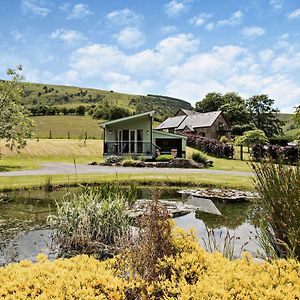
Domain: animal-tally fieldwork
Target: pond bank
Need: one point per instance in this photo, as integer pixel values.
(180, 180)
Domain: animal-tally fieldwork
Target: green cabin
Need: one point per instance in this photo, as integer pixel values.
(135, 136)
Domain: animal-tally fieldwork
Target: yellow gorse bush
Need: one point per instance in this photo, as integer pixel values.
(190, 274)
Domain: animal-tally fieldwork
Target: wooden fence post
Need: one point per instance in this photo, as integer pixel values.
(68, 135)
(50, 134)
(241, 152)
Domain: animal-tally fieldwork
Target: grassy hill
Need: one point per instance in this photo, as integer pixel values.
(70, 96)
(62, 126)
(290, 128)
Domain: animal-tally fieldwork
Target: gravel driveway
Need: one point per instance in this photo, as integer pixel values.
(65, 168)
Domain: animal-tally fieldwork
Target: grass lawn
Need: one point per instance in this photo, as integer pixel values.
(179, 180)
(77, 126)
(225, 164)
(54, 150)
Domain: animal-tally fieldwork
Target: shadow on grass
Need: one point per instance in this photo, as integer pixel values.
(10, 168)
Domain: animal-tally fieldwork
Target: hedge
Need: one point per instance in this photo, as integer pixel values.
(289, 154)
(210, 146)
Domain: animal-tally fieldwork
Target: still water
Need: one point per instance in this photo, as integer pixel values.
(24, 232)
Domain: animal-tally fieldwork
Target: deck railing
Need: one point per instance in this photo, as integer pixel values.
(128, 147)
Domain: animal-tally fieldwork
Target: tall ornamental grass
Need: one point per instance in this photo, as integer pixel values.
(279, 208)
(93, 222)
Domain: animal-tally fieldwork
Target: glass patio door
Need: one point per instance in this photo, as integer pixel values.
(132, 142)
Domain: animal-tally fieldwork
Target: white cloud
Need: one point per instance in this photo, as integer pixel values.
(210, 26)
(266, 55)
(35, 7)
(79, 11)
(18, 36)
(200, 19)
(124, 83)
(234, 19)
(276, 4)
(96, 59)
(70, 37)
(294, 14)
(253, 31)
(130, 37)
(174, 8)
(123, 17)
(168, 29)
(177, 67)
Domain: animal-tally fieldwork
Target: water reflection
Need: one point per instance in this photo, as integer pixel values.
(24, 233)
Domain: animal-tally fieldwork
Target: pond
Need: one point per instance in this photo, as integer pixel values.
(24, 232)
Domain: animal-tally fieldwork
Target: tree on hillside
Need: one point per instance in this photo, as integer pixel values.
(211, 102)
(263, 115)
(15, 126)
(297, 115)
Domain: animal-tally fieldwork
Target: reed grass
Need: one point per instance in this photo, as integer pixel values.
(278, 208)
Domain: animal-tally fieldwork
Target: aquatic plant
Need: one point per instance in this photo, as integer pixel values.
(92, 222)
(278, 208)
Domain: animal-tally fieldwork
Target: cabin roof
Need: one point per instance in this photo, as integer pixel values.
(150, 113)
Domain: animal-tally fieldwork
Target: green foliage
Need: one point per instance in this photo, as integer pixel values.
(211, 102)
(118, 113)
(164, 157)
(162, 105)
(252, 137)
(15, 126)
(279, 208)
(109, 111)
(297, 115)
(256, 112)
(199, 157)
(263, 115)
(224, 139)
(93, 222)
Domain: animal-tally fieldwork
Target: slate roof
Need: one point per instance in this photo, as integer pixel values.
(199, 120)
(189, 112)
(173, 122)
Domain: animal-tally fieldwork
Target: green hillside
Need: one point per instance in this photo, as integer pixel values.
(290, 128)
(70, 96)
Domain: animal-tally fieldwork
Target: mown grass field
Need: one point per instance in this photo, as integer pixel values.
(60, 126)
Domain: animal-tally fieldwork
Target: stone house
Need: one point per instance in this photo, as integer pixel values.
(211, 124)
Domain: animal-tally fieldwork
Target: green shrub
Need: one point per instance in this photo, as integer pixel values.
(131, 163)
(224, 139)
(165, 157)
(252, 137)
(199, 157)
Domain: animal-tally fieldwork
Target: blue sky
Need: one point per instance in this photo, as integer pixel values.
(180, 48)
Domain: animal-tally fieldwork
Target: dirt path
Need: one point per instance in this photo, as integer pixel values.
(65, 168)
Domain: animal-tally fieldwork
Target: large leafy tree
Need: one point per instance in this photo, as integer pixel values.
(263, 115)
(211, 102)
(15, 125)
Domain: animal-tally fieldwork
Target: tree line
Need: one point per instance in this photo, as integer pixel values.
(256, 112)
